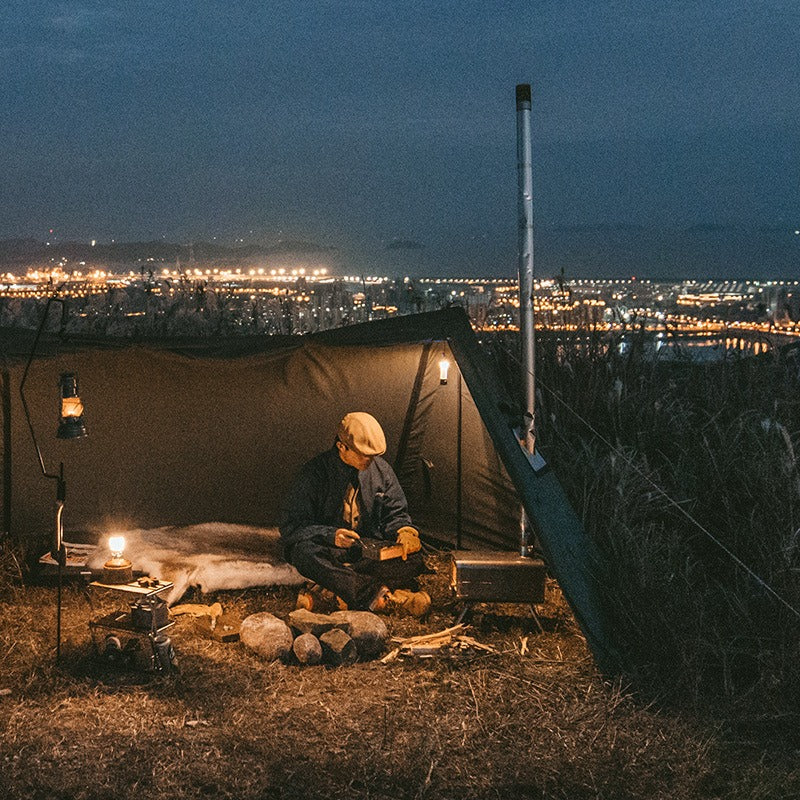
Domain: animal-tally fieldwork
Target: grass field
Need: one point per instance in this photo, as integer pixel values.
(686, 474)
(657, 459)
(532, 720)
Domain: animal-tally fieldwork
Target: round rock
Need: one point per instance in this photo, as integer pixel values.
(304, 621)
(368, 631)
(266, 636)
(307, 649)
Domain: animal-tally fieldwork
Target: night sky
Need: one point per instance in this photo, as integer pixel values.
(665, 134)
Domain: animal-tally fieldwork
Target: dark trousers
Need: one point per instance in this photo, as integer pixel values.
(353, 578)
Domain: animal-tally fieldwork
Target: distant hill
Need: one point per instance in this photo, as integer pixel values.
(582, 251)
(714, 251)
(31, 252)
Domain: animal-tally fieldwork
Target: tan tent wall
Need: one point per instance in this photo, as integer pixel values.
(201, 430)
(490, 506)
(175, 439)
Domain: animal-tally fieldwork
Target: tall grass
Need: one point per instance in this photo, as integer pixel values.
(659, 457)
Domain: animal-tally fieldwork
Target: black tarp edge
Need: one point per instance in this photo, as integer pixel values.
(571, 555)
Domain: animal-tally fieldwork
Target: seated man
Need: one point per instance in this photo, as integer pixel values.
(341, 500)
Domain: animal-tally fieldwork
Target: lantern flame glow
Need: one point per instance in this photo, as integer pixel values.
(71, 407)
(116, 544)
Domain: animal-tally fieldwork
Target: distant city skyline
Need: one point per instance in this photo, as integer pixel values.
(665, 138)
(156, 298)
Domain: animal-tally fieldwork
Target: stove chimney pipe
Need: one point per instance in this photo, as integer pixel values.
(525, 260)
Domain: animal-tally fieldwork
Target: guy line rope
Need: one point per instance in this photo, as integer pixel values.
(738, 561)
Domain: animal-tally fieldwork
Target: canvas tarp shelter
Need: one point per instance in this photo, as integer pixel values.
(188, 432)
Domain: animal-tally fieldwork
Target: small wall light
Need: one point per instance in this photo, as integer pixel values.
(444, 366)
(71, 425)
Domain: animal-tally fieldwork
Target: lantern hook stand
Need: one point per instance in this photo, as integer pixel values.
(58, 551)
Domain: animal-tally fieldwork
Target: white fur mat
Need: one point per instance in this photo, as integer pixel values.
(212, 556)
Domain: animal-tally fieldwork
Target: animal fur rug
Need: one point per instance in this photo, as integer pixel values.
(211, 556)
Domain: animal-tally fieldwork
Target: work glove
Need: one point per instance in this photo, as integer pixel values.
(345, 538)
(408, 537)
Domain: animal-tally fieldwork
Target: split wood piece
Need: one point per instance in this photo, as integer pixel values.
(436, 646)
(197, 610)
(426, 644)
(391, 656)
(447, 633)
(338, 648)
(468, 641)
(423, 650)
(224, 628)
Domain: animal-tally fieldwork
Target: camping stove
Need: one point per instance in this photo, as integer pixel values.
(497, 577)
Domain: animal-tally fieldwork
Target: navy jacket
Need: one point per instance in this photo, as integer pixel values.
(314, 504)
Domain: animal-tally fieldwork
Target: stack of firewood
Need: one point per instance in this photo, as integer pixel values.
(448, 641)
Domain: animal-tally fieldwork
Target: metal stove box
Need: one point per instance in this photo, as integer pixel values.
(497, 577)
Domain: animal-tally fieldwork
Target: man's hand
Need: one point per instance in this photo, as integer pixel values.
(345, 538)
(409, 538)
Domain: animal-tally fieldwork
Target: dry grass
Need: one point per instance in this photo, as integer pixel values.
(721, 440)
(543, 724)
(716, 657)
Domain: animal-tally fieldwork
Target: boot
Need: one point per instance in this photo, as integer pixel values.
(415, 604)
(321, 601)
(402, 601)
(305, 597)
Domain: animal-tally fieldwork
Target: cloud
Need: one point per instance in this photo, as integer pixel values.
(62, 55)
(80, 18)
(404, 244)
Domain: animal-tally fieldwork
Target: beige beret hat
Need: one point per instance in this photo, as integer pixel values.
(362, 433)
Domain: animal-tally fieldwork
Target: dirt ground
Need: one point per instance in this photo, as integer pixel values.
(532, 720)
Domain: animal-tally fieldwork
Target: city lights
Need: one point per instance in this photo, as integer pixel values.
(295, 299)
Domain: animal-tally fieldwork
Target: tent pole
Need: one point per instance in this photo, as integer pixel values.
(413, 402)
(526, 286)
(459, 467)
(5, 388)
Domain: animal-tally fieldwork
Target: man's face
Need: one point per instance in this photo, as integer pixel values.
(353, 459)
